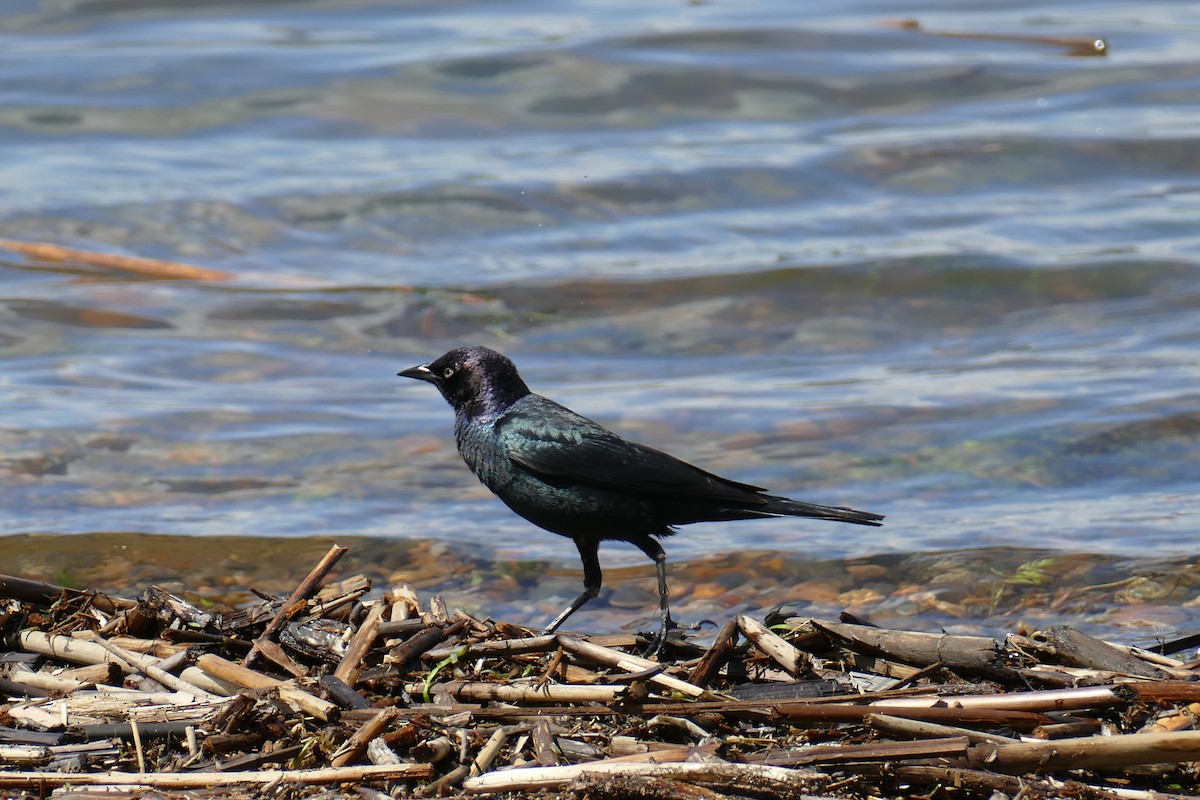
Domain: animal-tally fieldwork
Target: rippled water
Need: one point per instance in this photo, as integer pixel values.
(932, 272)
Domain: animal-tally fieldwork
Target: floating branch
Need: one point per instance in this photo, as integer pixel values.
(146, 267)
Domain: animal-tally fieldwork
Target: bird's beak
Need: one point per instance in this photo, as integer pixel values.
(421, 372)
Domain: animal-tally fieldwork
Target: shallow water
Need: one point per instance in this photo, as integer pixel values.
(952, 279)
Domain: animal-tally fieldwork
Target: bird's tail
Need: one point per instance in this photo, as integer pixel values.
(783, 506)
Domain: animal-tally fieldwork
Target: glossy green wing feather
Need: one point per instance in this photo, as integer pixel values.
(553, 441)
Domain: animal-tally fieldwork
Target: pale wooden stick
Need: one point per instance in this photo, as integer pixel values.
(159, 648)
(1083, 726)
(91, 654)
(1089, 752)
(137, 744)
(523, 693)
(115, 703)
(210, 683)
(502, 647)
(405, 604)
(1149, 655)
(930, 730)
(356, 745)
(41, 680)
(235, 673)
(288, 691)
(774, 645)
(148, 667)
(351, 664)
(333, 596)
(663, 754)
(884, 667)
(1177, 720)
(202, 780)
(26, 755)
(488, 753)
(66, 648)
(615, 658)
(956, 747)
(379, 752)
(193, 745)
(87, 673)
(1049, 700)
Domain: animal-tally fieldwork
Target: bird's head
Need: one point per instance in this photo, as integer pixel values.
(476, 382)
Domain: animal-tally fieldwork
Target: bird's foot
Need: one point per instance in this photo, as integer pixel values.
(688, 626)
(658, 639)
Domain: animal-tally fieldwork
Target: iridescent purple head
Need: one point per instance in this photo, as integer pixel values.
(476, 381)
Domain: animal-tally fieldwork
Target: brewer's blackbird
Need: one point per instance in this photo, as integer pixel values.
(567, 474)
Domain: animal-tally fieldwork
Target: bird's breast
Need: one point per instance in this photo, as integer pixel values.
(479, 448)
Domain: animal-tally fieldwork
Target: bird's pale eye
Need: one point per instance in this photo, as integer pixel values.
(448, 373)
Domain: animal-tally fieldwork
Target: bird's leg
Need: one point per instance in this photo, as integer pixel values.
(652, 548)
(589, 552)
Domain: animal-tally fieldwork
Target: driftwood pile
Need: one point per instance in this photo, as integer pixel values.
(326, 693)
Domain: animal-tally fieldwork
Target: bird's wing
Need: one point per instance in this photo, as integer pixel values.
(555, 442)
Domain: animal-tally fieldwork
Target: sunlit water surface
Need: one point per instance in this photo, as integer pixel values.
(954, 279)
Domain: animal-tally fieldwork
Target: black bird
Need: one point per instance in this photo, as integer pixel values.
(567, 474)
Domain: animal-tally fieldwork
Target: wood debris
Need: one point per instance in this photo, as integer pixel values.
(338, 691)
(147, 267)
